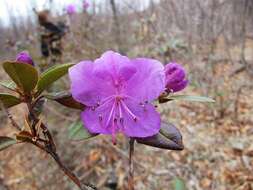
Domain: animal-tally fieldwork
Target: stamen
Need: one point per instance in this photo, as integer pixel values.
(142, 105)
(129, 97)
(105, 101)
(120, 114)
(100, 117)
(111, 114)
(114, 136)
(129, 111)
(114, 127)
(121, 120)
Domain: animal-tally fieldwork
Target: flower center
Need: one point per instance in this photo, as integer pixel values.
(119, 110)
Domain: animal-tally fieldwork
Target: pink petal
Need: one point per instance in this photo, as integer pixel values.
(114, 68)
(111, 62)
(148, 121)
(95, 120)
(149, 80)
(86, 87)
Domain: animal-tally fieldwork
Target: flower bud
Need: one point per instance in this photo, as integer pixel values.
(85, 5)
(71, 9)
(24, 57)
(175, 77)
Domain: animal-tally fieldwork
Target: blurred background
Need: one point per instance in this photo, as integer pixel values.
(212, 39)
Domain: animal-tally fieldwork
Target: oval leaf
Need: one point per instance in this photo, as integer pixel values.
(6, 142)
(9, 100)
(78, 132)
(187, 98)
(52, 75)
(24, 75)
(169, 137)
(66, 99)
(9, 85)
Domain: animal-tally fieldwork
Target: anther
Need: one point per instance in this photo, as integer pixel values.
(100, 117)
(142, 105)
(121, 120)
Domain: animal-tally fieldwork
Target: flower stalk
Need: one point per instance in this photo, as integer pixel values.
(131, 165)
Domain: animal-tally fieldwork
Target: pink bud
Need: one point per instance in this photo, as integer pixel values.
(175, 77)
(71, 9)
(24, 57)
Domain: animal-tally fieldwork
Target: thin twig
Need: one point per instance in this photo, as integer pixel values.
(50, 148)
(66, 171)
(44, 128)
(13, 122)
(131, 167)
(125, 155)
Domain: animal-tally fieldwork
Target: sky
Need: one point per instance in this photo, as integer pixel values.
(22, 8)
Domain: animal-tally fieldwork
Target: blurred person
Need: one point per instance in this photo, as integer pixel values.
(51, 37)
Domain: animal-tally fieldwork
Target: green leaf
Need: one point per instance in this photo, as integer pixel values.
(78, 132)
(24, 75)
(8, 84)
(178, 184)
(9, 100)
(169, 137)
(6, 142)
(51, 75)
(187, 98)
(66, 99)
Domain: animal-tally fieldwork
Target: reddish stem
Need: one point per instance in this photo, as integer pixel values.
(131, 166)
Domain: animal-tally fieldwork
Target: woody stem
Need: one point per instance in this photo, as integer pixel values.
(131, 166)
(50, 148)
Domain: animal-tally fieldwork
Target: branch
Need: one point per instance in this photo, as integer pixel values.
(131, 166)
(13, 122)
(70, 174)
(50, 148)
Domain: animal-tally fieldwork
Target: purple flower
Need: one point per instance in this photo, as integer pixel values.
(118, 93)
(175, 77)
(85, 5)
(24, 57)
(71, 9)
